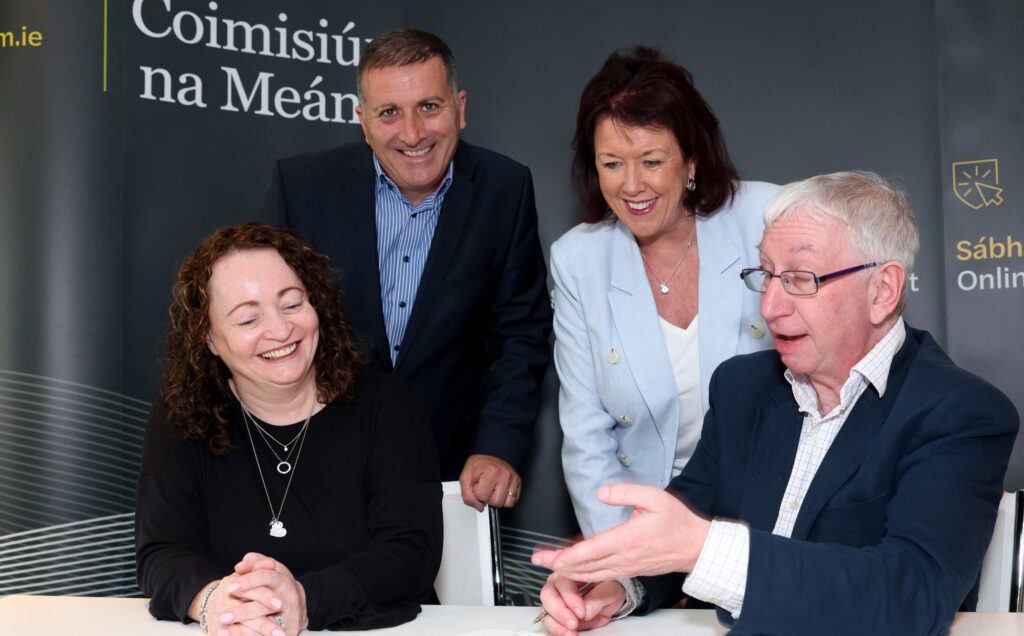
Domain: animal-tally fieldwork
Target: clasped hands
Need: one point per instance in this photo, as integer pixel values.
(662, 535)
(249, 600)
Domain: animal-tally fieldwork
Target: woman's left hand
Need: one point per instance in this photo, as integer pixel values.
(272, 593)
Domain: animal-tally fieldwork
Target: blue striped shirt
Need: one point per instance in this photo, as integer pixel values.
(404, 233)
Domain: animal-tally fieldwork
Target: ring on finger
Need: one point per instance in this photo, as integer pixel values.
(279, 619)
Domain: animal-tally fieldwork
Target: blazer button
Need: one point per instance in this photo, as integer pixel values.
(757, 330)
(624, 459)
(612, 356)
(625, 419)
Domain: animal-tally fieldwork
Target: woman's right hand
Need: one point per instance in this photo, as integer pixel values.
(218, 601)
(257, 598)
(268, 591)
(221, 600)
(569, 613)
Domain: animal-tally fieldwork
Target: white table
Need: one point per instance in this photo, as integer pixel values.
(86, 616)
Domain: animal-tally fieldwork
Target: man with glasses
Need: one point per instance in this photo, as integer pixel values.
(846, 483)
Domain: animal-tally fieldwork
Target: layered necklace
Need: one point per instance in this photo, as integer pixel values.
(285, 466)
(663, 284)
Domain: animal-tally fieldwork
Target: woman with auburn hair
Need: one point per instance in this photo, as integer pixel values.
(269, 498)
(648, 299)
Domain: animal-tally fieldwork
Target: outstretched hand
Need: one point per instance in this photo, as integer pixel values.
(662, 535)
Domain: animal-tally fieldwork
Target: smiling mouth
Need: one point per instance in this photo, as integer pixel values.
(641, 205)
(280, 353)
(787, 338)
(417, 153)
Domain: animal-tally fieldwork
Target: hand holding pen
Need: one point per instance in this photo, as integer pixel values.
(572, 609)
(586, 587)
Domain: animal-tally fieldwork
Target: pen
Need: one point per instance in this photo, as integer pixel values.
(582, 592)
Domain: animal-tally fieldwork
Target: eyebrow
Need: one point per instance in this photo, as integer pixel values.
(803, 247)
(647, 152)
(797, 249)
(425, 100)
(280, 295)
(239, 306)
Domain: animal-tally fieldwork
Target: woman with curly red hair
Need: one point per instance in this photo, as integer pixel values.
(282, 488)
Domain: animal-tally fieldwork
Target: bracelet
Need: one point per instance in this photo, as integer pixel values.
(202, 606)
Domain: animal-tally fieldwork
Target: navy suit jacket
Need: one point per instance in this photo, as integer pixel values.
(476, 346)
(891, 534)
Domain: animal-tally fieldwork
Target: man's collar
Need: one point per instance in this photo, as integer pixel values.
(873, 367)
(876, 364)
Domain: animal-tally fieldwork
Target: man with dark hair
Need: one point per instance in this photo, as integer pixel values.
(846, 483)
(442, 271)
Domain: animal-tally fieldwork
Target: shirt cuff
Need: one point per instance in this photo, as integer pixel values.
(635, 595)
(720, 575)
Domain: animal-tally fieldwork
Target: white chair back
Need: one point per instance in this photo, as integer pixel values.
(470, 571)
(999, 587)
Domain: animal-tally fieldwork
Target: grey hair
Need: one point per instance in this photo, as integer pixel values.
(874, 210)
(403, 47)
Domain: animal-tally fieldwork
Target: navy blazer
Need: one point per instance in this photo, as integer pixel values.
(476, 345)
(891, 534)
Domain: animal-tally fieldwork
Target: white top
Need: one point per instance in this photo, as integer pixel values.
(684, 354)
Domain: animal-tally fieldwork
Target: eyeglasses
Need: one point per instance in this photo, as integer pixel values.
(796, 282)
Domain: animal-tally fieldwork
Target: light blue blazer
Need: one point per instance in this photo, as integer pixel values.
(618, 403)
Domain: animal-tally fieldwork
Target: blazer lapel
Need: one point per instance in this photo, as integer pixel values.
(854, 440)
(636, 322)
(451, 225)
(845, 455)
(720, 289)
(357, 200)
(774, 439)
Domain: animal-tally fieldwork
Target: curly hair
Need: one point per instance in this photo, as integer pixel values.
(641, 87)
(195, 389)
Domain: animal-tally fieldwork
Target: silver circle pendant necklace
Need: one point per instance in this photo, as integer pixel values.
(284, 467)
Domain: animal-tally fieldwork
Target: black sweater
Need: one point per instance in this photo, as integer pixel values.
(363, 514)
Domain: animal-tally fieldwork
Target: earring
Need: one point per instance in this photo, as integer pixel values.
(691, 185)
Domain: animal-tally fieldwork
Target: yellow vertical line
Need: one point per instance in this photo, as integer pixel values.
(104, 46)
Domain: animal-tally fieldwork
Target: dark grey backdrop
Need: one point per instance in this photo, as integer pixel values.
(102, 192)
(981, 106)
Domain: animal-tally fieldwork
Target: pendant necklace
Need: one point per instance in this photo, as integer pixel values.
(284, 466)
(663, 284)
(277, 528)
(269, 437)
